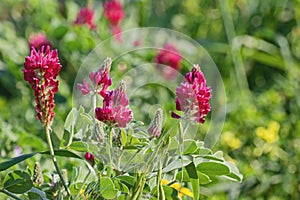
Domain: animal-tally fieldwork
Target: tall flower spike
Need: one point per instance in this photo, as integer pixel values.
(115, 108)
(192, 97)
(100, 80)
(156, 123)
(41, 69)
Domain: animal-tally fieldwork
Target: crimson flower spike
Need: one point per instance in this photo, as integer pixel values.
(193, 96)
(40, 70)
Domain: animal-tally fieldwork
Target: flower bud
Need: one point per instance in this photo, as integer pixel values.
(37, 174)
(156, 123)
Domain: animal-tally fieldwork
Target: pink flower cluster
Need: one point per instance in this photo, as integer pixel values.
(115, 103)
(41, 69)
(100, 80)
(38, 40)
(115, 107)
(114, 13)
(86, 16)
(192, 97)
(171, 57)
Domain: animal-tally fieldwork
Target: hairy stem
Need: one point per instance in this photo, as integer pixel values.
(109, 148)
(55, 161)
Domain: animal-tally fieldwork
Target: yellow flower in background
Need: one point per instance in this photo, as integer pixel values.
(230, 139)
(182, 191)
(269, 134)
(82, 194)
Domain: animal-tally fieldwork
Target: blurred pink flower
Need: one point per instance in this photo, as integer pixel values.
(37, 40)
(192, 97)
(115, 107)
(86, 16)
(171, 57)
(100, 80)
(113, 12)
(41, 69)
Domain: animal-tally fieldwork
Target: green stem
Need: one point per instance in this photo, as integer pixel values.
(160, 191)
(109, 148)
(139, 187)
(181, 143)
(10, 194)
(55, 161)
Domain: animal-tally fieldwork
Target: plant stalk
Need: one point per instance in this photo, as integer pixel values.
(47, 128)
(109, 168)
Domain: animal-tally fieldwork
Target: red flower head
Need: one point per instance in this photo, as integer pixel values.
(115, 108)
(171, 57)
(41, 69)
(100, 80)
(192, 97)
(38, 40)
(86, 16)
(113, 11)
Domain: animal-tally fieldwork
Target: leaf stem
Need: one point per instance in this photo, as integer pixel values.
(48, 129)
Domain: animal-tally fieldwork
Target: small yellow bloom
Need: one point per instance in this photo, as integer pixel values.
(82, 194)
(185, 191)
(230, 139)
(182, 191)
(269, 134)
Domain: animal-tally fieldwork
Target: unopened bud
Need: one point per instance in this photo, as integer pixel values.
(37, 174)
(107, 64)
(90, 158)
(64, 174)
(156, 123)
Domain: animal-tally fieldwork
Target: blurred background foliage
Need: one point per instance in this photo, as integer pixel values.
(255, 44)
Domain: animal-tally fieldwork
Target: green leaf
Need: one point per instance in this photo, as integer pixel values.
(176, 164)
(87, 118)
(60, 31)
(37, 194)
(12, 161)
(70, 120)
(121, 187)
(128, 180)
(79, 146)
(18, 182)
(203, 178)
(63, 153)
(123, 137)
(213, 168)
(107, 188)
(234, 172)
(192, 172)
(190, 147)
(170, 193)
(185, 177)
